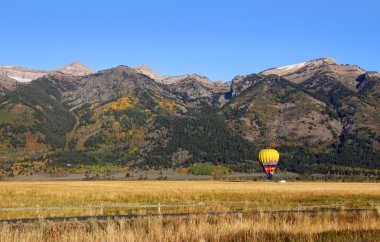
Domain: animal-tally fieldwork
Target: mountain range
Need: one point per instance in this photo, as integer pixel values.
(322, 116)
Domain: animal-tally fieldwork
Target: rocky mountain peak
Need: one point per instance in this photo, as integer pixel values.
(75, 69)
(145, 68)
(323, 61)
(148, 71)
(326, 66)
(286, 70)
(23, 74)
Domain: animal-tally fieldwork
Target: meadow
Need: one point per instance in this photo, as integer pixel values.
(217, 196)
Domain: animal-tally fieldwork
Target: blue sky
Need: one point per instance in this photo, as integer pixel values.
(217, 39)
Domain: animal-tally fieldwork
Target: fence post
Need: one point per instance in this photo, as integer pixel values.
(101, 209)
(159, 208)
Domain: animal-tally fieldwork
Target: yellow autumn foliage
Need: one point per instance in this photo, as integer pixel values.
(133, 150)
(121, 103)
(122, 135)
(184, 170)
(167, 105)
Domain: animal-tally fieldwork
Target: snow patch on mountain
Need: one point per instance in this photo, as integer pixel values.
(291, 67)
(20, 79)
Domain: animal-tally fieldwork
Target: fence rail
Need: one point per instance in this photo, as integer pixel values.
(159, 206)
(102, 207)
(252, 208)
(133, 216)
(299, 206)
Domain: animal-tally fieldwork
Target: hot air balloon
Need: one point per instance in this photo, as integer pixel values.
(268, 159)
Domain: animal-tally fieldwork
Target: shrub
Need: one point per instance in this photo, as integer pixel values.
(207, 169)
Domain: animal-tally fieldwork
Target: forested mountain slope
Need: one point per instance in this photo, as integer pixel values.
(322, 117)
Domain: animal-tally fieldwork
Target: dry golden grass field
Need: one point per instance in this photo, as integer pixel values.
(216, 196)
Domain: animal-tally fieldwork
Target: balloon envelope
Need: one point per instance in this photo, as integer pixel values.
(268, 159)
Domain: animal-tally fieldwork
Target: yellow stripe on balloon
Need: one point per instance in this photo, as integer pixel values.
(268, 155)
